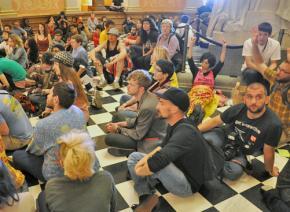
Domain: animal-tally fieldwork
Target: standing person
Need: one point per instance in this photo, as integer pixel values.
(172, 163)
(251, 128)
(77, 156)
(43, 38)
(16, 50)
(270, 50)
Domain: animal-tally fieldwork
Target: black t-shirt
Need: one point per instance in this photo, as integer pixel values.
(184, 147)
(252, 134)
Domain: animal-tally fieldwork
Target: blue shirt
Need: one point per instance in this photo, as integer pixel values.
(13, 114)
(80, 52)
(46, 133)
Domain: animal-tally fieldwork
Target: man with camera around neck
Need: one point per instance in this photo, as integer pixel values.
(250, 128)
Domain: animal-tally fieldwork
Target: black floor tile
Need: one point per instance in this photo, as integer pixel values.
(94, 111)
(108, 99)
(212, 209)
(259, 171)
(119, 171)
(254, 196)
(115, 92)
(163, 206)
(121, 203)
(100, 142)
(215, 191)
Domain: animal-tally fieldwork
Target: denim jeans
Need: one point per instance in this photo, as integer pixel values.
(170, 176)
(232, 170)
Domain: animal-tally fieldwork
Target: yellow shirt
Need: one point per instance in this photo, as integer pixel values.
(103, 36)
(173, 80)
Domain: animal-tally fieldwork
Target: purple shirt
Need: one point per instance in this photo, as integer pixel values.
(172, 45)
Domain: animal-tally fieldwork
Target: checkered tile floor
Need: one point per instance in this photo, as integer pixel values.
(241, 195)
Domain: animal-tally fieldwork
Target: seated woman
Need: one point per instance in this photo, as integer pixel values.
(160, 52)
(42, 38)
(202, 92)
(10, 201)
(12, 74)
(65, 73)
(16, 50)
(81, 188)
(32, 52)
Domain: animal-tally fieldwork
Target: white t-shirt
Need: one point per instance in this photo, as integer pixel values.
(270, 51)
(180, 32)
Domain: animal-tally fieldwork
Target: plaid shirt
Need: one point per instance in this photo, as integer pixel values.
(276, 104)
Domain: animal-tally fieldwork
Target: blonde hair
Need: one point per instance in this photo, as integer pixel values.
(17, 40)
(77, 153)
(160, 52)
(142, 77)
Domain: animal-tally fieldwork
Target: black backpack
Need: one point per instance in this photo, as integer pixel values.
(216, 159)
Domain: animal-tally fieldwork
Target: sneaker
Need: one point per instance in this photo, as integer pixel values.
(115, 85)
(100, 83)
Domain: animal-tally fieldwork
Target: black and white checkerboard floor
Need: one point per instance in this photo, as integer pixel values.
(241, 195)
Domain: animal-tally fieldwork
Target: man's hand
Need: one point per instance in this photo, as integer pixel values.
(274, 172)
(112, 127)
(254, 32)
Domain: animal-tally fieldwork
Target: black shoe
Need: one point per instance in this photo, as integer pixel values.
(120, 152)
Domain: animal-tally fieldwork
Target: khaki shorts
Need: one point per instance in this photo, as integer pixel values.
(12, 143)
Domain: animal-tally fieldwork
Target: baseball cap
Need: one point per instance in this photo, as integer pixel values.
(64, 58)
(113, 31)
(58, 32)
(177, 97)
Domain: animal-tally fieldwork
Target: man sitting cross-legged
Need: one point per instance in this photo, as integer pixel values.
(250, 128)
(146, 130)
(41, 158)
(181, 161)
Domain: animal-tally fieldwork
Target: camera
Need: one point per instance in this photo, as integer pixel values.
(232, 148)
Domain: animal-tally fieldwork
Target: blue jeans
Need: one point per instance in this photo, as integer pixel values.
(170, 176)
(232, 170)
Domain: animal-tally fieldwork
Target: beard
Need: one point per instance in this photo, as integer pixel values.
(258, 110)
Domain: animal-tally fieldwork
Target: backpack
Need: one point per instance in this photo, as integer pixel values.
(216, 159)
(284, 92)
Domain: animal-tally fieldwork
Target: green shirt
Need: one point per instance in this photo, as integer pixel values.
(12, 68)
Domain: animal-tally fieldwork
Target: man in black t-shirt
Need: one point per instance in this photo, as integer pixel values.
(181, 161)
(250, 127)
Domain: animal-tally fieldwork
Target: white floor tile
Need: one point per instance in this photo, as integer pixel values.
(243, 183)
(271, 182)
(236, 203)
(111, 106)
(104, 94)
(107, 159)
(95, 130)
(280, 161)
(101, 118)
(118, 97)
(128, 192)
(127, 210)
(196, 202)
(35, 190)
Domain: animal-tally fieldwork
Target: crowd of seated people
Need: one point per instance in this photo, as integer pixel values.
(62, 62)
